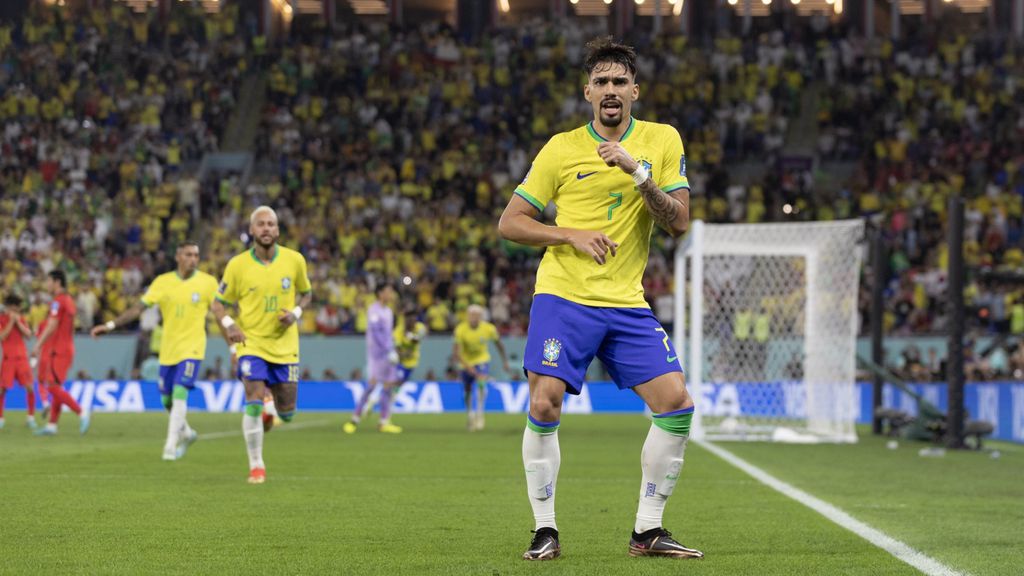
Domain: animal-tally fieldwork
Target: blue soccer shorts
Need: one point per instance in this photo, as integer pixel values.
(404, 373)
(256, 368)
(482, 370)
(564, 337)
(183, 373)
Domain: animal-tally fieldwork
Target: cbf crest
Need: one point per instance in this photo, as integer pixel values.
(286, 283)
(195, 297)
(552, 350)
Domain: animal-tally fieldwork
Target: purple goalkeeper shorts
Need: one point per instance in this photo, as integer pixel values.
(564, 337)
(380, 371)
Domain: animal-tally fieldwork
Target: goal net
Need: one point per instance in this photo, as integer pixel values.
(772, 329)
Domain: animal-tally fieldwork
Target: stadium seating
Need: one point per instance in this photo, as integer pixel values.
(390, 155)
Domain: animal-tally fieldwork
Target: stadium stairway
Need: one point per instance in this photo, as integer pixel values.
(802, 134)
(244, 124)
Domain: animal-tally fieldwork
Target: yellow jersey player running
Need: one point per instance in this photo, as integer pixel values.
(270, 286)
(471, 352)
(409, 334)
(611, 181)
(184, 297)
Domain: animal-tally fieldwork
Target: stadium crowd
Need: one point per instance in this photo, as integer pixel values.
(924, 124)
(103, 119)
(389, 155)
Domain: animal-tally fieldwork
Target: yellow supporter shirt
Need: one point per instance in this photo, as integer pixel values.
(473, 342)
(262, 292)
(590, 195)
(183, 305)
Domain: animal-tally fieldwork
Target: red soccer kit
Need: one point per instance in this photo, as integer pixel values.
(43, 365)
(59, 351)
(15, 364)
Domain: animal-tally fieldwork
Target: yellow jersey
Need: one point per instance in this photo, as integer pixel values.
(183, 304)
(473, 342)
(407, 343)
(590, 195)
(262, 292)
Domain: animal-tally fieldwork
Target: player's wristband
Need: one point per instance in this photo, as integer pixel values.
(110, 325)
(297, 312)
(233, 349)
(640, 175)
(227, 322)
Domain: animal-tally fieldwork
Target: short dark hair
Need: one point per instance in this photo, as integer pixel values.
(187, 243)
(12, 300)
(59, 276)
(380, 288)
(606, 49)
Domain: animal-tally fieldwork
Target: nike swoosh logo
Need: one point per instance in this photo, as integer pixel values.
(671, 358)
(581, 176)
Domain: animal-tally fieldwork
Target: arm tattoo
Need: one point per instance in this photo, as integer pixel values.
(663, 208)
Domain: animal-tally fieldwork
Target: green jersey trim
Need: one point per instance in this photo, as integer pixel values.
(526, 196)
(593, 133)
(252, 252)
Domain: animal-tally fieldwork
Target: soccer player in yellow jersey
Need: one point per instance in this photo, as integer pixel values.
(611, 181)
(184, 297)
(409, 335)
(471, 351)
(269, 286)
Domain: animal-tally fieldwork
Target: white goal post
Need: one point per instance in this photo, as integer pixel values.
(772, 329)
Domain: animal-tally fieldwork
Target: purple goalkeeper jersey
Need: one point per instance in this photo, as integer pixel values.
(380, 340)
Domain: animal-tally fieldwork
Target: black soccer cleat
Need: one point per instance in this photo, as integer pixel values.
(659, 542)
(544, 546)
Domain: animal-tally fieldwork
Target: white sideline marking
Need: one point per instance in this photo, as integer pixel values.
(281, 428)
(901, 551)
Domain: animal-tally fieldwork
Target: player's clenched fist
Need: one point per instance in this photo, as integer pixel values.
(592, 243)
(235, 334)
(614, 154)
(287, 318)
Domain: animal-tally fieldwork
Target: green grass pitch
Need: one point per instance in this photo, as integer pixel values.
(440, 500)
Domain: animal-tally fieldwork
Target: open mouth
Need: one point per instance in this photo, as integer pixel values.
(611, 107)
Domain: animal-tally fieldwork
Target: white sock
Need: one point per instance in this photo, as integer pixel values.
(252, 428)
(185, 431)
(541, 458)
(481, 400)
(174, 424)
(661, 462)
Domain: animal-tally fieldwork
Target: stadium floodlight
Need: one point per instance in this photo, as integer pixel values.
(772, 312)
